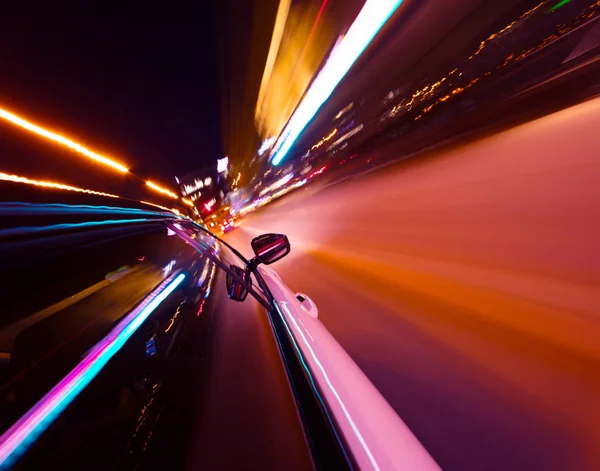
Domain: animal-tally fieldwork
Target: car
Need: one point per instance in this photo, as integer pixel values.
(133, 338)
(227, 226)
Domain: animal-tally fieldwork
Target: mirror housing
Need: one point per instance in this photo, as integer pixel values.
(235, 290)
(269, 248)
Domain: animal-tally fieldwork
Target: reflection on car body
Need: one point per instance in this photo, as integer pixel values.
(87, 374)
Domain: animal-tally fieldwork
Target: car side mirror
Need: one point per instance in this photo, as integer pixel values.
(269, 248)
(236, 290)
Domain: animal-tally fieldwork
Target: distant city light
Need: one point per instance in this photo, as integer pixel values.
(158, 206)
(207, 181)
(266, 145)
(344, 111)
(325, 139)
(318, 172)
(13, 118)
(369, 21)
(208, 206)
(222, 164)
(278, 184)
(196, 185)
(177, 180)
(168, 268)
(162, 190)
(59, 186)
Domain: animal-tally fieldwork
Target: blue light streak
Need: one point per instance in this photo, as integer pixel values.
(18, 208)
(67, 226)
(16, 440)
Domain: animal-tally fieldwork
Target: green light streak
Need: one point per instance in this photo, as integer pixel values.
(562, 3)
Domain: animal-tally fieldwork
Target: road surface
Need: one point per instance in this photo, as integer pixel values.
(248, 419)
(466, 285)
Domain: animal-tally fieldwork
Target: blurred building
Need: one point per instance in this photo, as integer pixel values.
(207, 189)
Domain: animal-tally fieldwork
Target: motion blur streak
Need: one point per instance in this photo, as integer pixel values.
(23, 230)
(307, 345)
(8, 116)
(24, 432)
(562, 3)
(466, 285)
(160, 207)
(59, 186)
(162, 190)
(278, 29)
(369, 21)
(188, 202)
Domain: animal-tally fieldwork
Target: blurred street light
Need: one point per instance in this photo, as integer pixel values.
(222, 164)
(278, 29)
(59, 186)
(13, 118)
(162, 190)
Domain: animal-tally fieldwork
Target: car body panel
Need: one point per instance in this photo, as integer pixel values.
(97, 269)
(375, 434)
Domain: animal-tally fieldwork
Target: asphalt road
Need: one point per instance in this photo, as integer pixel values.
(466, 285)
(248, 419)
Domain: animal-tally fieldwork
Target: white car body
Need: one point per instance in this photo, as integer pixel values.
(375, 434)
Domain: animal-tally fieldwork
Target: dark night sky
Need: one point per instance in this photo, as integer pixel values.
(136, 80)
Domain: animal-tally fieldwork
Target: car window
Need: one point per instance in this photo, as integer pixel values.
(214, 247)
(63, 294)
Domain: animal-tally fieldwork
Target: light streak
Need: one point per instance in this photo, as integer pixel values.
(314, 28)
(13, 118)
(12, 208)
(173, 210)
(22, 230)
(59, 186)
(318, 172)
(325, 139)
(348, 135)
(278, 29)
(344, 111)
(188, 202)
(512, 58)
(369, 21)
(162, 190)
(208, 206)
(169, 267)
(278, 184)
(156, 205)
(310, 36)
(506, 28)
(266, 144)
(562, 3)
(325, 377)
(222, 164)
(15, 441)
(196, 185)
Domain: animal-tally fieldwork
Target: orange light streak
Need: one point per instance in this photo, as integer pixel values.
(59, 186)
(162, 190)
(13, 118)
(172, 210)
